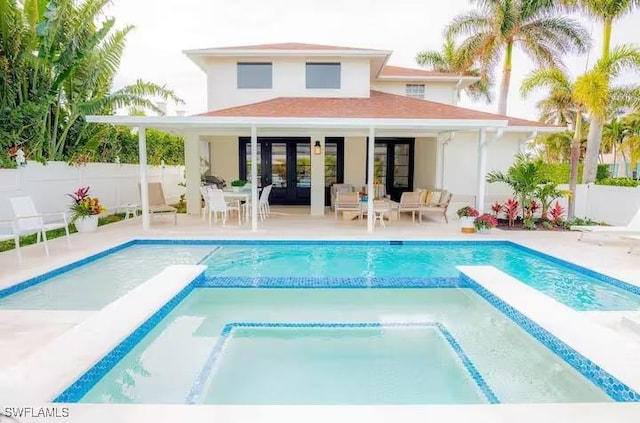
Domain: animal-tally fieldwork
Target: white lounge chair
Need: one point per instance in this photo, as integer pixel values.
(157, 202)
(632, 228)
(28, 221)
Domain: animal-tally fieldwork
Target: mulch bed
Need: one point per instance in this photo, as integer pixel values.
(503, 224)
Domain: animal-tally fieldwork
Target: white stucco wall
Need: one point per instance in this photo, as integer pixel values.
(442, 92)
(289, 80)
(224, 158)
(355, 153)
(461, 167)
(424, 173)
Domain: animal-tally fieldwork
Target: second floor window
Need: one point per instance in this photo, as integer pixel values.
(254, 75)
(323, 75)
(415, 91)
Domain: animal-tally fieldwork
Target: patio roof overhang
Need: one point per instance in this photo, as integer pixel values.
(489, 130)
(211, 124)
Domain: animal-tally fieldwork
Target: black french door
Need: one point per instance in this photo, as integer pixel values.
(393, 165)
(284, 163)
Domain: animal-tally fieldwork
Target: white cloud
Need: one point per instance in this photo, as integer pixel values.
(164, 28)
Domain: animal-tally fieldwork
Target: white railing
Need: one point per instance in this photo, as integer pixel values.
(115, 184)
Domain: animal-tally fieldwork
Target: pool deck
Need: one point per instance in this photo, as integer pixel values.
(26, 334)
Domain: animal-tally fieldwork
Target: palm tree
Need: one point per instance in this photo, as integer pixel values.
(631, 143)
(607, 12)
(613, 135)
(534, 26)
(451, 60)
(562, 90)
(600, 99)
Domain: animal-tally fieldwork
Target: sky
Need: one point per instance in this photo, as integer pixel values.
(164, 28)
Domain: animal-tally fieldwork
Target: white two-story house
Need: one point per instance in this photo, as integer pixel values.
(311, 111)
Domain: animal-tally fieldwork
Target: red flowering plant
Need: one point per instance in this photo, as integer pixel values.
(467, 211)
(84, 205)
(556, 214)
(510, 208)
(486, 221)
(496, 208)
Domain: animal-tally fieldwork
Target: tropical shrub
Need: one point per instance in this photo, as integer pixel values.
(485, 221)
(510, 208)
(559, 172)
(619, 182)
(523, 176)
(467, 211)
(556, 214)
(84, 205)
(496, 208)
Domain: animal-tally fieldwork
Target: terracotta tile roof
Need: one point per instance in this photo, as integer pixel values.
(378, 105)
(400, 71)
(291, 46)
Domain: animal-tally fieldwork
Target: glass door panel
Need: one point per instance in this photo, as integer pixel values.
(401, 155)
(303, 165)
(279, 165)
(248, 164)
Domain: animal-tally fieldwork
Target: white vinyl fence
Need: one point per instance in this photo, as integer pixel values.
(115, 184)
(604, 203)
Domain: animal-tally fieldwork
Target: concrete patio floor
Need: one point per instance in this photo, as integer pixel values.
(24, 332)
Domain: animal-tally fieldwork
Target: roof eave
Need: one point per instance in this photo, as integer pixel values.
(431, 78)
(194, 122)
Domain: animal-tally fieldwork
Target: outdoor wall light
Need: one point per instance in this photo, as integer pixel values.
(317, 148)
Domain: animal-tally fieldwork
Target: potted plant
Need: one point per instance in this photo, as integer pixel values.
(238, 184)
(467, 214)
(85, 210)
(485, 223)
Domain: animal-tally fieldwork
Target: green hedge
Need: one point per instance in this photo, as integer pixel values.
(619, 182)
(559, 172)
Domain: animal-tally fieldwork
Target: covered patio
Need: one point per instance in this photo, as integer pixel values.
(480, 133)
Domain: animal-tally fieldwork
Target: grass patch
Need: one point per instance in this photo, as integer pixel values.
(56, 233)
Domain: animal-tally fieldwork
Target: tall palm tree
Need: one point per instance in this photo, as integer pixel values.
(534, 26)
(561, 90)
(607, 12)
(631, 143)
(451, 60)
(594, 90)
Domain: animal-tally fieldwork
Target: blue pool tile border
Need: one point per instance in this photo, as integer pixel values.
(200, 382)
(60, 270)
(597, 375)
(80, 387)
(635, 289)
(333, 282)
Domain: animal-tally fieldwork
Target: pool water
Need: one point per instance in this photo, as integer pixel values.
(98, 283)
(569, 286)
(310, 346)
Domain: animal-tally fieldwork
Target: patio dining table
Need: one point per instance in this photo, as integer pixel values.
(240, 197)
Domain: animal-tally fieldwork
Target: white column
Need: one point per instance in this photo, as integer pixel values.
(144, 187)
(254, 179)
(440, 145)
(317, 177)
(482, 169)
(370, 173)
(192, 170)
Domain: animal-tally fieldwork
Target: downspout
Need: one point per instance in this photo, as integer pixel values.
(442, 158)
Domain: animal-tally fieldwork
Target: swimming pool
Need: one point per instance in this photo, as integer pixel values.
(335, 346)
(94, 282)
(406, 263)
